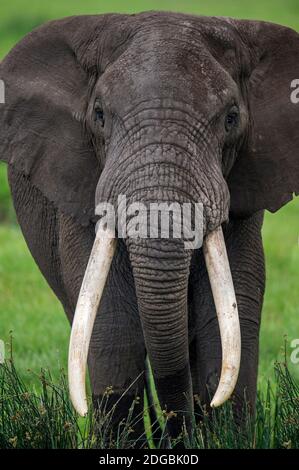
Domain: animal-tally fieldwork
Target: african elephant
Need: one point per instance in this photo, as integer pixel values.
(160, 107)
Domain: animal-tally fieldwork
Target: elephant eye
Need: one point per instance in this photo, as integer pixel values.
(232, 119)
(99, 114)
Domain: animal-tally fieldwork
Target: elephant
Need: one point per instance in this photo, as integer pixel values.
(163, 108)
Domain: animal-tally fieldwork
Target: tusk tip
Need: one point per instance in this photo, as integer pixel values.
(216, 402)
(83, 412)
(220, 399)
(81, 409)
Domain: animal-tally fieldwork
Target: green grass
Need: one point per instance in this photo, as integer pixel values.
(6, 210)
(280, 312)
(28, 308)
(20, 16)
(46, 419)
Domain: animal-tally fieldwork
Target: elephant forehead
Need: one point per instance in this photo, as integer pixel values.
(160, 63)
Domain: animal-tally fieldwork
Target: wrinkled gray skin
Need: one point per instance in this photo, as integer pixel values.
(166, 84)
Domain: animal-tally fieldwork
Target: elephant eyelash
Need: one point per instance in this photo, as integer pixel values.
(232, 118)
(99, 114)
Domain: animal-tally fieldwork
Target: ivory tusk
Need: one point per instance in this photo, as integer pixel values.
(88, 302)
(227, 312)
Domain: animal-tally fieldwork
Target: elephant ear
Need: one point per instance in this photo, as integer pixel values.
(266, 173)
(48, 79)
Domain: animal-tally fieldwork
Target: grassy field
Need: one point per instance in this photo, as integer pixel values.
(27, 306)
(17, 17)
(47, 420)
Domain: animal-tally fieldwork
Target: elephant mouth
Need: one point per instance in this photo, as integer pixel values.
(92, 288)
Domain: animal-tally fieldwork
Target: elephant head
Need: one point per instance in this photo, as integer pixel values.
(161, 108)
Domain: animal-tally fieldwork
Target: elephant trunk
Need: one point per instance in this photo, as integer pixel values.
(161, 271)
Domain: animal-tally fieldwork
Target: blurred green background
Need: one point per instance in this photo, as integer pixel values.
(29, 309)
